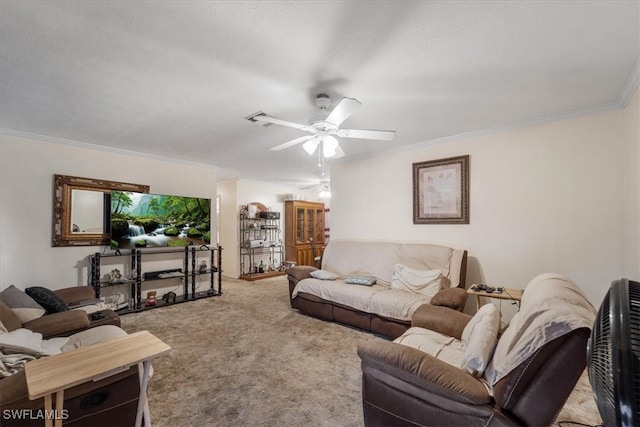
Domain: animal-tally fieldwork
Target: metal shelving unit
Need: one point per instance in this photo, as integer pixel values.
(189, 273)
(261, 245)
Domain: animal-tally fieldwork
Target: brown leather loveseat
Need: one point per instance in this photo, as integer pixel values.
(536, 364)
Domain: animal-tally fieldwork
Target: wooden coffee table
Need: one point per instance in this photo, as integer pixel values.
(52, 375)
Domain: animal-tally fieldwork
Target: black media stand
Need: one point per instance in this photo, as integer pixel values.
(189, 273)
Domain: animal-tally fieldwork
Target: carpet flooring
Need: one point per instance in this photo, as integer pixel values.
(246, 358)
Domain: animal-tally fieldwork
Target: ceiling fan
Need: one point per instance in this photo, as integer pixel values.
(324, 127)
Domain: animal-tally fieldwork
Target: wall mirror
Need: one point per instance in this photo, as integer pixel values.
(81, 207)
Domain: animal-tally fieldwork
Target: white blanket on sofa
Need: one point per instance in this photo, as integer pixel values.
(552, 306)
(346, 258)
(375, 299)
(22, 345)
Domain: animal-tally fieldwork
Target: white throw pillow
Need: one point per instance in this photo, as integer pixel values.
(25, 307)
(323, 275)
(480, 337)
(425, 282)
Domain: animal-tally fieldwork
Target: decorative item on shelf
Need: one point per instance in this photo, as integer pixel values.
(252, 211)
(116, 277)
(203, 267)
(269, 214)
(169, 297)
(151, 299)
(256, 243)
(261, 267)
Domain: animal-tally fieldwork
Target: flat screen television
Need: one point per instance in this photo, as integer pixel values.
(140, 220)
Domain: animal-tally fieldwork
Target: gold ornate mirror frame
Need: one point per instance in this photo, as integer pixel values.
(62, 228)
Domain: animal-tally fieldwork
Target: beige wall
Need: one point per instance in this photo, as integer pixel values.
(562, 196)
(227, 191)
(235, 193)
(26, 182)
(545, 198)
(631, 187)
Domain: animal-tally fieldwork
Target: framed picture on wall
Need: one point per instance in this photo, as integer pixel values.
(441, 191)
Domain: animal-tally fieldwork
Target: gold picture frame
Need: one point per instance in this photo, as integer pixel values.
(441, 191)
(64, 187)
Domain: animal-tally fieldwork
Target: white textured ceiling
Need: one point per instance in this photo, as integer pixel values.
(176, 79)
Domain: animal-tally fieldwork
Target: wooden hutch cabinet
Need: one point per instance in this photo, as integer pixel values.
(304, 231)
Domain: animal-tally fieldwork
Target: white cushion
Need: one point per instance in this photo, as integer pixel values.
(93, 336)
(395, 304)
(323, 275)
(425, 282)
(480, 337)
(92, 308)
(442, 347)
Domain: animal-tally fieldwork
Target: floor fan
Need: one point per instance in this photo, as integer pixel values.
(614, 355)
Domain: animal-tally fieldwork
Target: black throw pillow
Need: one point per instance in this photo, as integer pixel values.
(47, 299)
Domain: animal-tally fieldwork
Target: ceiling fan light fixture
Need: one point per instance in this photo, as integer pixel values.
(329, 146)
(311, 145)
(324, 194)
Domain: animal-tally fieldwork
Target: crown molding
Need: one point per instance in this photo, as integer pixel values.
(86, 145)
(630, 86)
(615, 105)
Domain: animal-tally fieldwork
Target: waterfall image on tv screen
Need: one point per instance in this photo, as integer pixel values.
(154, 220)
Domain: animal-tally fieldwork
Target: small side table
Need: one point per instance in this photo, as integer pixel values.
(52, 375)
(508, 294)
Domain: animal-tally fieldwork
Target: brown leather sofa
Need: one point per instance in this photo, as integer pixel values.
(403, 386)
(111, 401)
(377, 259)
(64, 323)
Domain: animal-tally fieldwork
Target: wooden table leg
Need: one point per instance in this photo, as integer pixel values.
(477, 302)
(48, 409)
(53, 414)
(59, 406)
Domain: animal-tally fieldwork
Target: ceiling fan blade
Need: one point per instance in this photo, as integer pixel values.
(345, 108)
(276, 121)
(292, 142)
(383, 135)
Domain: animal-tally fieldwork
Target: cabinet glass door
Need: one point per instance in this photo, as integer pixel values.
(309, 231)
(319, 226)
(300, 226)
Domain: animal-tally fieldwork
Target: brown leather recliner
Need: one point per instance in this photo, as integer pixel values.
(111, 401)
(402, 385)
